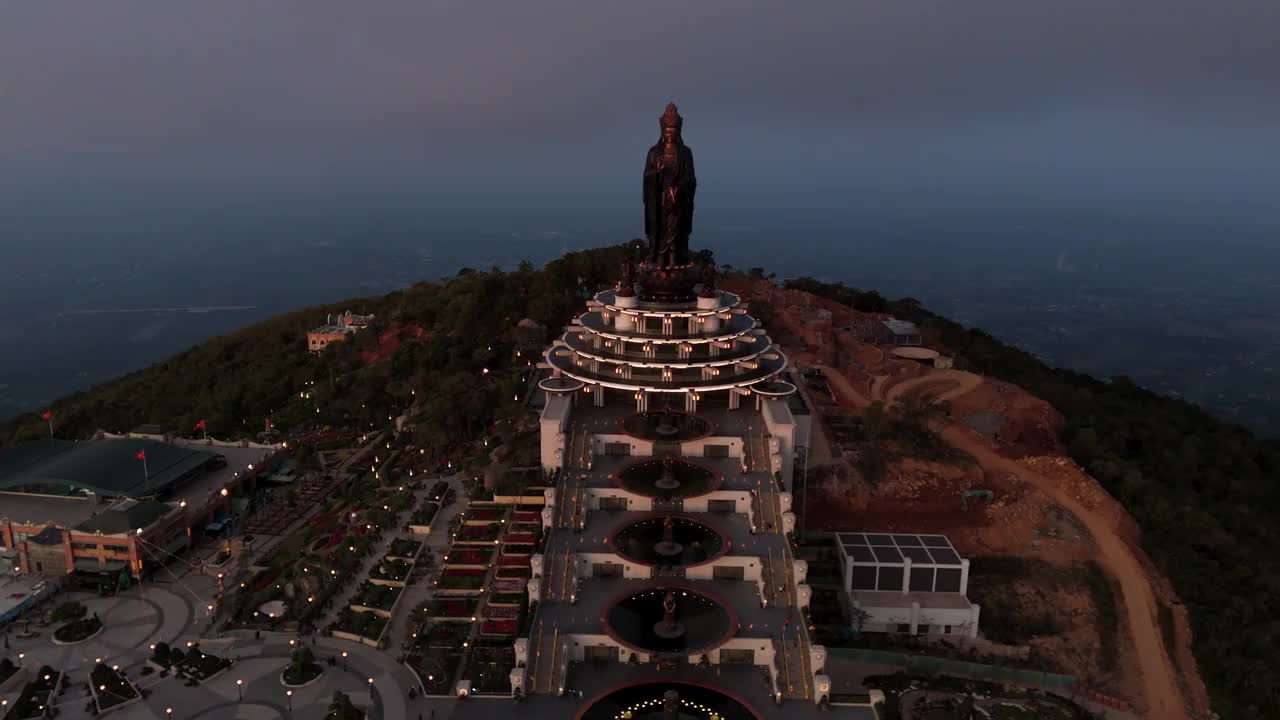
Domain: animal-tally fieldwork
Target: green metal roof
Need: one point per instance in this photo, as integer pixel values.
(125, 518)
(107, 467)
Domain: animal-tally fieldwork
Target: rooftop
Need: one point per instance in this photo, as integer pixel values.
(893, 548)
(901, 327)
(125, 516)
(108, 467)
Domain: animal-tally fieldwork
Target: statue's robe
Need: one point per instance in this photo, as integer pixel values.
(668, 221)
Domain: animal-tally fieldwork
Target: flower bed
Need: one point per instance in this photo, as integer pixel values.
(404, 548)
(508, 561)
(519, 538)
(517, 549)
(391, 570)
(377, 597)
(425, 514)
(512, 586)
(453, 608)
(498, 628)
(507, 599)
(501, 613)
(463, 556)
(461, 579)
(479, 533)
(201, 666)
(77, 631)
(363, 624)
(489, 669)
(483, 515)
(110, 688)
(527, 516)
(34, 699)
(514, 572)
(436, 654)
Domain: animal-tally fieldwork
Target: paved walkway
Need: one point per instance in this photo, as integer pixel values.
(437, 544)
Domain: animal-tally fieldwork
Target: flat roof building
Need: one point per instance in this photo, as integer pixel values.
(98, 508)
(907, 583)
(899, 332)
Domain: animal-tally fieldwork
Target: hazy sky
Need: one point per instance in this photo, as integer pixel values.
(799, 92)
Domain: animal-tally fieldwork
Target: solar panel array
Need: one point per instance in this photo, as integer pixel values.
(878, 561)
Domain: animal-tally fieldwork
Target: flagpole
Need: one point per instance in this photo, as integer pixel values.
(146, 474)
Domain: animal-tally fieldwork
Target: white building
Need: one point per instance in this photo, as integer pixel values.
(907, 584)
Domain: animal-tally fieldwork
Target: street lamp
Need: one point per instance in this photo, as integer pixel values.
(240, 688)
(288, 694)
(168, 713)
(344, 659)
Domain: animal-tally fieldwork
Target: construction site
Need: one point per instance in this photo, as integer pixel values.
(1056, 561)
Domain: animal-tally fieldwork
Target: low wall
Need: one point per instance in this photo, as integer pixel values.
(750, 564)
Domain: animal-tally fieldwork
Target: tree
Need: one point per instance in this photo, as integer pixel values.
(859, 618)
(303, 659)
(69, 611)
(341, 708)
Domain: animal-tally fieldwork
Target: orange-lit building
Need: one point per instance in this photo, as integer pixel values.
(336, 331)
(96, 509)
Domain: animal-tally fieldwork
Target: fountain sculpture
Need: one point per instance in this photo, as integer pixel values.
(669, 628)
(668, 480)
(668, 547)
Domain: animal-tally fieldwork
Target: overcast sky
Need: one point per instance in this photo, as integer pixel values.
(771, 92)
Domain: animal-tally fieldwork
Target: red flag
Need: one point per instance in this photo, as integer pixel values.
(142, 455)
(46, 415)
(200, 425)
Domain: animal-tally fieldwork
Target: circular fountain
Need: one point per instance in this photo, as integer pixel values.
(666, 700)
(669, 619)
(669, 541)
(667, 426)
(667, 478)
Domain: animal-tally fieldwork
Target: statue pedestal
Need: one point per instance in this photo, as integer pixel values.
(672, 284)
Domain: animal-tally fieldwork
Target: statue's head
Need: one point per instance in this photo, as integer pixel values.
(670, 122)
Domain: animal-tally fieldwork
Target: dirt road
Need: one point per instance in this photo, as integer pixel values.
(843, 388)
(965, 382)
(1160, 690)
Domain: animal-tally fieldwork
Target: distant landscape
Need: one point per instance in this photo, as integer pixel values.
(95, 284)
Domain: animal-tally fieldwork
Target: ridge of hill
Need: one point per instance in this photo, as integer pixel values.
(1194, 495)
(1200, 489)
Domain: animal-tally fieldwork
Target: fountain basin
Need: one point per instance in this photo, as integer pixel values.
(640, 541)
(646, 477)
(667, 426)
(637, 619)
(645, 699)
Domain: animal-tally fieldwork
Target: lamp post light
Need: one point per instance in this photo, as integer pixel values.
(168, 713)
(240, 689)
(288, 694)
(344, 659)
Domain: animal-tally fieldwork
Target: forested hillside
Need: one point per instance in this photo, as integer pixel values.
(1204, 491)
(235, 382)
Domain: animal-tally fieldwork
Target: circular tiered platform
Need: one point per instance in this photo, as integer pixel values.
(706, 344)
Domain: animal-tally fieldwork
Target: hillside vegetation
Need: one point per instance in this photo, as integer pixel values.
(1202, 489)
(235, 382)
(1204, 492)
